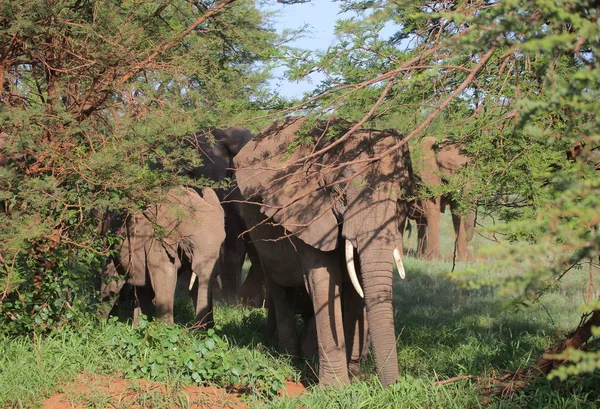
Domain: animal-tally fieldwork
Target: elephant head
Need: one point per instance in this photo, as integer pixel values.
(353, 192)
(216, 148)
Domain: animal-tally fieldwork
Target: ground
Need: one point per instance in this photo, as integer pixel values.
(97, 391)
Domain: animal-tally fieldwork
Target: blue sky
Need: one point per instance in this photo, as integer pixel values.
(321, 16)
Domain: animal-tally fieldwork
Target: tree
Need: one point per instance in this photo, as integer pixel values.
(92, 95)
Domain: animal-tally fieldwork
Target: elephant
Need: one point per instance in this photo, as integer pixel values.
(438, 163)
(312, 210)
(217, 147)
(182, 233)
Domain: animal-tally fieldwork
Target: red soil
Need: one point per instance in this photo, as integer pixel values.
(100, 391)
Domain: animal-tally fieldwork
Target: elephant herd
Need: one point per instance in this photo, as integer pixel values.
(321, 221)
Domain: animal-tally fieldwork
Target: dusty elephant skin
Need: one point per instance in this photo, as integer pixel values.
(186, 229)
(301, 215)
(217, 148)
(438, 164)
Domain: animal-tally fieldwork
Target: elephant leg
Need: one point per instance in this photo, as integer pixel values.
(432, 214)
(271, 325)
(470, 224)
(252, 292)
(163, 276)
(285, 319)
(205, 266)
(144, 302)
(310, 348)
(421, 237)
(355, 328)
(460, 234)
(324, 282)
(233, 253)
(110, 287)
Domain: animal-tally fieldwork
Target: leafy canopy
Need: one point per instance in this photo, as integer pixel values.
(93, 95)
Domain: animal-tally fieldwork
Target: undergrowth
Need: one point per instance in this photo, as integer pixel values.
(30, 369)
(445, 329)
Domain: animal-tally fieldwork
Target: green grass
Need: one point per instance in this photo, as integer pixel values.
(446, 328)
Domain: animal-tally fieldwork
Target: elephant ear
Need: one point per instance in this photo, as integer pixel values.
(179, 216)
(232, 139)
(288, 194)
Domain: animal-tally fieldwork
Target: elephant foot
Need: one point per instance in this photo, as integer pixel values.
(354, 370)
(431, 256)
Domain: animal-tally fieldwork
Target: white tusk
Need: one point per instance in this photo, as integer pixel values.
(192, 279)
(352, 269)
(399, 265)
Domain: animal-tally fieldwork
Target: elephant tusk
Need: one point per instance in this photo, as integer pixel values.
(192, 280)
(352, 269)
(399, 265)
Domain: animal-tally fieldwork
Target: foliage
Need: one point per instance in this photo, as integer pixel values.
(32, 368)
(155, 349)
(95, 101)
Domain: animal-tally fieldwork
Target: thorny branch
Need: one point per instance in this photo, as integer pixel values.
(111, 84)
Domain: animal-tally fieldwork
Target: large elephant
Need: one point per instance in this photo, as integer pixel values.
(308, 213)
(438, 163)
(182, 233)
(217, 147)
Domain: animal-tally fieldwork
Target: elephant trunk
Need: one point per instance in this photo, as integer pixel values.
(376, 266)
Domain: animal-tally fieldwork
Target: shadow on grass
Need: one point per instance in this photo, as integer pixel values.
(454, 331)
(443, 330)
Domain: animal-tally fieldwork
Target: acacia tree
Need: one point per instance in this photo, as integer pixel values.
(91, 93)
(515, 84)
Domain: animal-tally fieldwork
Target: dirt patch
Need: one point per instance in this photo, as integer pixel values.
(99, 391)
(292, 389)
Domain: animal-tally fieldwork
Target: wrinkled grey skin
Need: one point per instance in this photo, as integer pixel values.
(184, 230)
(438, 164)
(217, 163)
(302, 214)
